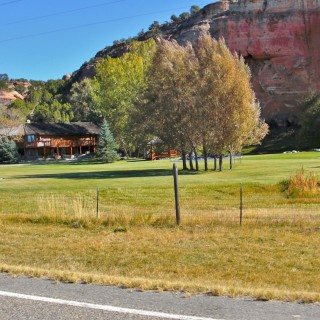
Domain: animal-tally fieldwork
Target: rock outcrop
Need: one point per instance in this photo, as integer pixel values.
(9, 95)
(280, 40)
(12, 95)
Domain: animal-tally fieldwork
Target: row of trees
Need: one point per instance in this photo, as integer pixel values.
(199, 97)
(185, 15)
(156, 28)
(195, 98)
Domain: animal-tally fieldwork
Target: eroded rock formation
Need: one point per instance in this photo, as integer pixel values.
(9, 95)
(280, 40)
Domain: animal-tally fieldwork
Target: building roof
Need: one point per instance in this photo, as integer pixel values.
(61, 128)
(11, 132)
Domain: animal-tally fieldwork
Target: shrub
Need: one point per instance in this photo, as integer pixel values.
(302, 184)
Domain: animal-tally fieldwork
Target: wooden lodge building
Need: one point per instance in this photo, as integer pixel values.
(58, 140)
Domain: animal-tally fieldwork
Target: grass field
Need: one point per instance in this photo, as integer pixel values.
(49, 226)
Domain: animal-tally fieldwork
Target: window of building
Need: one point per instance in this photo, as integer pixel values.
(31, 138)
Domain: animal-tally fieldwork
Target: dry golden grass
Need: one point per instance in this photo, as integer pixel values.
(59, 206)
(49, 227)
(274, 255)
(303, 184)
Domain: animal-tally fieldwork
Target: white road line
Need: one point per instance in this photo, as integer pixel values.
(102, 307)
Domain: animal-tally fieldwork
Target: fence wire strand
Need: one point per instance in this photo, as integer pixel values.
(145, 205)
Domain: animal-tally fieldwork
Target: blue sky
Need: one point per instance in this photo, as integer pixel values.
(45, 39)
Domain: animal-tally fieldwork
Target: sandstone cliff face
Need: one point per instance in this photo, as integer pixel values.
(280, 40)
(7, 97)
(12, 95)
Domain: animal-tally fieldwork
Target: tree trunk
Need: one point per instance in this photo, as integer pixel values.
(126, 152)
(125, 149)
(190, 161)
(184, 160)
(196, 159)
(220, 163)
(230, 160)
(215, 163)
(205, 157)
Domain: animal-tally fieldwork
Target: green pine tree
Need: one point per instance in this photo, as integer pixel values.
(8, 151)
(106, 148)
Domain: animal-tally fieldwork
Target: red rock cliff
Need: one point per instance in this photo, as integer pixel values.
(280, 41)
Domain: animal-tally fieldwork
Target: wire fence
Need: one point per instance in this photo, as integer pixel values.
(157, 205)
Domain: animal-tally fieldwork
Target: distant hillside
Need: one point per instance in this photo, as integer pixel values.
(278, 39)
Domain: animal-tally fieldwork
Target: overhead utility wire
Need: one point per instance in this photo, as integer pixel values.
(9, 2)
(87, 25)
(61, 12)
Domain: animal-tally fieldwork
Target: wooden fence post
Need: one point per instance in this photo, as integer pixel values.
(97, 202)
(240, 204)
(176, 193)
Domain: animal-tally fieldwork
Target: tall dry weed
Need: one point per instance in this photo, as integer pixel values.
(61, 207)
(302, 184)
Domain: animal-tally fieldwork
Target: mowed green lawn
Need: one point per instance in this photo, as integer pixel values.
(266, 169)
(49, 226)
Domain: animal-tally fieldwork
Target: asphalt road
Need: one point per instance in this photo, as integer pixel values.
(23, 298)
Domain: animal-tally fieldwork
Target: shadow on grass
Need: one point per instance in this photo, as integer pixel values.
(66, 163)
(106, 174)
(80, 162)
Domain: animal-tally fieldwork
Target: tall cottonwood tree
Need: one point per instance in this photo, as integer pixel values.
(81, 100)
(169, 99)
(201, 94)
(230, 113)
(119, 82)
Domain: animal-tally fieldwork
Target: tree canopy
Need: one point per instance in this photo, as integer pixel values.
(200, 95)
(118, 84)
(45, 103)
(82, 102)
(195, 98)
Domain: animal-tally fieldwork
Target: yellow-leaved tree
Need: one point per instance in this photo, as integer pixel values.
(229, 113)
(200, 96)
